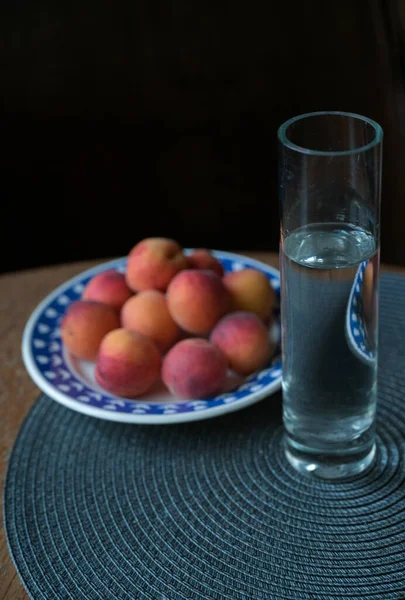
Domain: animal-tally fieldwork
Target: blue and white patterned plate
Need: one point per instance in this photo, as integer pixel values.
(356, 330)
(72, 383)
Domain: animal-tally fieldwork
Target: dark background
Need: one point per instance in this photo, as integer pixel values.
(126, 119)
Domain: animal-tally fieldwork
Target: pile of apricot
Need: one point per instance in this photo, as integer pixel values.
(172, 317)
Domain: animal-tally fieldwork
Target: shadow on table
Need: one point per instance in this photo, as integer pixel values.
(258, 417)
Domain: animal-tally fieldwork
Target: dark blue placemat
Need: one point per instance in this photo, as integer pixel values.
(209, 510)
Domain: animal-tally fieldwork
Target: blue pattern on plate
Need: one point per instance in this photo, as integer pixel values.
(355, 326)
(49, 356)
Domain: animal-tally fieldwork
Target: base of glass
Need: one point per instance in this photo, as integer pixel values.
(328, 465)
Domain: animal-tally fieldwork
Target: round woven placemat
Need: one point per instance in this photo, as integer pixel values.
(209, 510)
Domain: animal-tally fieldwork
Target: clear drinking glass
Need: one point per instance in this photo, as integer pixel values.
(330, 196)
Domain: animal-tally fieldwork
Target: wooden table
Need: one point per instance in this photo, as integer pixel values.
(19, 295)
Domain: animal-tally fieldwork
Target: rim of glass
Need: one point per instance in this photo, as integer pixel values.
(282, 133)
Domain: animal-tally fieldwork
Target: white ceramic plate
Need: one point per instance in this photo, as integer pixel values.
(72, 383)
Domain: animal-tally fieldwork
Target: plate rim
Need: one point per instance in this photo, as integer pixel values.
(147, 419)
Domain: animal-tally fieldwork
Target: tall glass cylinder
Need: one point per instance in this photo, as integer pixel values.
(330, 193)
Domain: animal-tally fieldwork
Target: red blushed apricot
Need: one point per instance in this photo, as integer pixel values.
(244, 340)
(194, 368)
(128, 363)
(202, 259)
(84, 325)
(153, 263)
(109, 288)
(250, 290)
(148, 313)
(197, 300)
